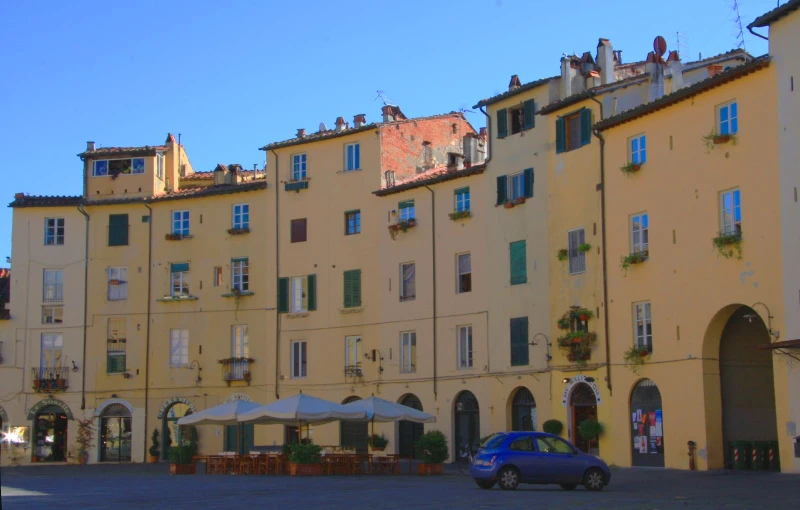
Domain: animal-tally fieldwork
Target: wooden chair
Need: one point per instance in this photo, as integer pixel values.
(216, 464)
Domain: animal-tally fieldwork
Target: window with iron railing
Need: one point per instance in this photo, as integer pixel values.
(116, 346)
(53, 285)
(117, 283)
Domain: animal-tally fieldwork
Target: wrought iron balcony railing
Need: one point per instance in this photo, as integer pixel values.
(236, 369)
(48, 379)
(353, 371)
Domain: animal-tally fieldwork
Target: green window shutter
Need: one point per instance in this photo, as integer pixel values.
(355, 281)
(519, 272)
(283, 295)
(502, 187)
(405, 204)
(179, 268)
(502, 123)
(312, 292)
(528, 178)
(117, 229)
(519, 341)
(529, 113)
(586, 126)
(560, 135)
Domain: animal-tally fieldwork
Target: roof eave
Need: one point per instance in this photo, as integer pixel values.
(774, 15)
(474, 170)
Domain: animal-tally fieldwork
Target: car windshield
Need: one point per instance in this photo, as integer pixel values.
(493, 441)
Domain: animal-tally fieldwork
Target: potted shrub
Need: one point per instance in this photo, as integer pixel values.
(585, 247)
(180, 459)
(562, 255)
(553, 427)
(634, 358)
(590, 430)
(304, 460)
(85, 437)
(727, 243)
(154, 444)
(378, 442)
(432, 448)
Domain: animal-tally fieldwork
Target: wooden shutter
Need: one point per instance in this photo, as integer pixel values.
(283, 295)
(519, 273)
(529, 113)
(312, 292)
(502, 189)
(298, 231)
(560, 135)
(519, 341)
(117, 229)
(352, 288)
(528, 178)
(586, 126)
(502, 123)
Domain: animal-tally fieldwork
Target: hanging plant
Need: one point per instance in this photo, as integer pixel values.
(631, 168)
(712, 139)
(576, 345)
(634, 358)
(585, 247)
(633, 258)
(562, 255)
(402, 226)
(726, 244)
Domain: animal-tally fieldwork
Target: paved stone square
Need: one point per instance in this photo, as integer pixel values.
(148, 486)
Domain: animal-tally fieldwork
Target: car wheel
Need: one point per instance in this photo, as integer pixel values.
(508, 479)
(593, 480)
(485, 484)
(568, 486)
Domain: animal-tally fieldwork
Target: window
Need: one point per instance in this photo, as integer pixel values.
(117, 167)
(462, 199)
(52, 348)
(239, 342)
(516, 118)
(352, 157)
(519, 264)
(299, 360)
(642, 326)
(519, 341)
(408, 352)
(53, 231)
(516, 183)
(53, 285)
(465, 347)
(522, 444)
(730, 212)
(241, 216)
(117, 229)
(577, 258)
(179, 347)
(117, 283)
(548, 444)
(298, 167)
(180, 279)
(522, 118)
(180, 223)
(52, 314)
(240, 274)
(408, 285)
(638, 149)
(116, 346)
(639, 233)
(297, 294)
(352, 223)
(574, 131)
(464, 272)
(406, 210)
(728, 118)
(352, 288)
(160, 166)
(298, 230)
(217, 276)
(515, 186)
(352, 355)
(427, 153)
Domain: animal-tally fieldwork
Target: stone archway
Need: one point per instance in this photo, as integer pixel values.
(169, 413)
(466, 419)
(523, 410)
(50, 419)
(408, 433)
(582, 406)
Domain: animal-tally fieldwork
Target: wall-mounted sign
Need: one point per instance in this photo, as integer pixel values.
(577, 380)
(238, 396)
(176, 400)
(38, 406)
(112, 401)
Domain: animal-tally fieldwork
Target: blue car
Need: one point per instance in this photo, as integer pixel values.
(511, 458)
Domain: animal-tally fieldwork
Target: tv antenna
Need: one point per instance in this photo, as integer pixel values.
(737, 21)
(382, 96)
(680, 44)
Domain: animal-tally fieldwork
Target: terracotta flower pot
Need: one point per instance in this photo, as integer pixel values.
(430, 469)
(508, 205)
(305, 469)
(153, 459)
(181, 469)
(584, 317)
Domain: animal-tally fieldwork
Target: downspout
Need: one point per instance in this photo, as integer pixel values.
(433, 246)
(750, 29)
(488, 135)
(486, 162)
(85, 305)
(147, 330)
(277, 276)
(603, 242)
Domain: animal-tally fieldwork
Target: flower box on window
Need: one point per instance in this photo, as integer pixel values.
(296, 185)
(729, 245)
(513, 203)
(631, 168)
(713, 139)
(176, 237)
(634, 258)
(458, 215)
(238, 231)
(402, 226)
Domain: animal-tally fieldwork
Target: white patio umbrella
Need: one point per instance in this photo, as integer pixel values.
(301, 409)
(380, 410)
(223, 414)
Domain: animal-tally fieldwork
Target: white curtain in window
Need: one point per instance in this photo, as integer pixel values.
(464, 264)
(409, 280)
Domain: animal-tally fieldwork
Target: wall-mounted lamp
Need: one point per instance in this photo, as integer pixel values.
(375, 355)
(750, 318)
(199, 369)
(74, 367)
(565, 380)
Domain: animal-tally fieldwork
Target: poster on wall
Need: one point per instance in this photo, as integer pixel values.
(659, 423)
(643, 444)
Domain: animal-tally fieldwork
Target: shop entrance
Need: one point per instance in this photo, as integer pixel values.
(647, 425)
(50, 435)
(354, 434)
(170, 428)
(467, 422)
(409, 432)
(523, 411)
(115, 434)
(583, 405)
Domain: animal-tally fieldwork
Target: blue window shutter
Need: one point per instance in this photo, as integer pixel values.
(502, 123)
(528, 178)
(519, 270)
(179, 268)
(586, 126)
(502, 185)
(312, 292)
(529, 107)
(560, 135)
(283, 295)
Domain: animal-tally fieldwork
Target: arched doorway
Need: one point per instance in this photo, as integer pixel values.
(239, 438)
(408, 433)
(354, 434)
(467, 422)
(50, 435)
(647, 425)
(523, 411)
(583, 406)
(115, 434)
(170, 431)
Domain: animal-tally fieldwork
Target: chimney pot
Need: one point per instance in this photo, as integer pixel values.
(388, 113)
(339, 123)
(301, 133)
(89, 146)
(19, 195)
(514, 83)
(359, 120)
(714, 70)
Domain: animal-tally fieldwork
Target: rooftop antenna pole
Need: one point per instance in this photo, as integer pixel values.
(738, 23)
(680, 38)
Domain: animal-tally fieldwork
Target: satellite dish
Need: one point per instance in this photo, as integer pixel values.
(660, 46)
(322, 126)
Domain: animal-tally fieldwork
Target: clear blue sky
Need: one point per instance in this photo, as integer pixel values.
(233, 75)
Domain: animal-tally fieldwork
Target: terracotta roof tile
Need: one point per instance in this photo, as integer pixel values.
(45, 201)
(514, 92)
(432, 176)
(775, 14)
(118, 151)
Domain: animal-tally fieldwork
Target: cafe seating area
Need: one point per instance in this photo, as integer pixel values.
(341, 463)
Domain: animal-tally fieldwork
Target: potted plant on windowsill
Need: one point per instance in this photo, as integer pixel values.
(154, 444)
(378, 442)
(238, 231)
(562, 255)
(726, 244)
(584, 248)
(631, 168)
(432, 448)
(172, 236)
(713, 139)
(402, 226)
(459, 215)
(305, 460)
(634, 358)
(634, 258)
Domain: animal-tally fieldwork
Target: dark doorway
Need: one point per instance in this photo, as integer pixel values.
(647, 425)
(170, 431)
(584, 407)
(50, 434)
(523, 411)
(467, 421)
(291, 435)
(409, 432)
(354, 434)
(115, 434)
(239, 438)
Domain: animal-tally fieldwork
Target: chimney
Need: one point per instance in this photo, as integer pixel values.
(587, 64)
(89, 146)
(654, 66)
(474, 148)
(455, 161)
(221, 175)
(235, 174)
(566, 77)
(514, 83)
(301, 133)
(676, 70)
(388, 113)
(19, 196)
(359, 120)
(339, 124)
(714, 70)
(605, 61)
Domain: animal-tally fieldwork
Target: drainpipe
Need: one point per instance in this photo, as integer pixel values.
(433, 246)
(750, 29)
(147, 328)
(603, 241)
(486, 162)
(488, 134)
(85, 305)
(277, 275)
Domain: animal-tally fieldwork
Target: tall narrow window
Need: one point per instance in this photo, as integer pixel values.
(116, 346)
(638, 150)
(117, 229)
(180, 223)
(217, 276)
(299, 230)
(462, 199)
(408, 352)
(639, 233)
(728, 118)
(519, 341)
(465, 347)
(240, 274)
(299, 294)
(408, 281)
(516, 186)
(239, 342)
(353, 157)
(730, 212)
(406, 210)
(464, 263)
(352, 223)
(643, 326)
(519, 270)
(180, 279)
(352, 288)
(117, 283)
(298, 167)
(577, 258)
(299, 360)
(160, 166)
(179, 347)
(241, 216)
(53, 286)
(53, 231)
(352, 362)
(52, 348)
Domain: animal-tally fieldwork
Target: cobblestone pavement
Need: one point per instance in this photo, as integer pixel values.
(141, 486)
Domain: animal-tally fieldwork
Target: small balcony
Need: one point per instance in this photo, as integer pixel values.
(117, 290)
(353, 371)
(49, 380)
(236, 369)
